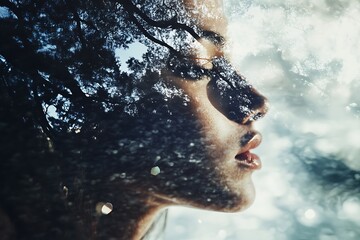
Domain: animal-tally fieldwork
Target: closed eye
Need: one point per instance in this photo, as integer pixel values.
(187, 68)
(214, 37)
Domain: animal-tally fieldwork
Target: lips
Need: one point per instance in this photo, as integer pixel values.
(244, 157)
(248, 160)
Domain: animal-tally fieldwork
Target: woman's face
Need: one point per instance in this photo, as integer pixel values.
(203, 145)
(205, 157)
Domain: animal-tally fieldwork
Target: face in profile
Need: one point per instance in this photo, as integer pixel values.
(203, 145)
(201, 137)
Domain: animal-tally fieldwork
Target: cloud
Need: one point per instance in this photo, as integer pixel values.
(304, 56)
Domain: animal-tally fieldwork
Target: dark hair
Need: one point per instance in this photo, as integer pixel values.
(66, 105)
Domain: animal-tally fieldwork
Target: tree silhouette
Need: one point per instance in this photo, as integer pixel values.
(64, 53)
(70, 113)
(63, 96)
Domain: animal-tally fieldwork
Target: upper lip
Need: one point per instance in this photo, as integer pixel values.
(250, 141)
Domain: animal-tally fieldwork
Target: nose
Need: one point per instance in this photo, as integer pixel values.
(256, 109)
(230, 94)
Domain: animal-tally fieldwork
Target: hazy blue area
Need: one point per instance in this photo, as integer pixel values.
(304, 56)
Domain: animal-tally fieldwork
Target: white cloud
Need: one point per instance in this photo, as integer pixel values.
(304, 56)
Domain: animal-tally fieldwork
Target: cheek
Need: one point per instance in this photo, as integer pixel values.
(214, 124)
(196, 153)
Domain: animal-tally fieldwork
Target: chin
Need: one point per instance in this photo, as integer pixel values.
(227, 199)
(242, 204)
(244, 190)
(239, 201)
(245, 194)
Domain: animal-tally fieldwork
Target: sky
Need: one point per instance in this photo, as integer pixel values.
(304, 56)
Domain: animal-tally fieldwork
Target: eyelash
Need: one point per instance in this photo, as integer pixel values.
(221, 71)
(216, 38)
(187, 68)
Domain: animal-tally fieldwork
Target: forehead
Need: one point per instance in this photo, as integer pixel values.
(210, 18)
(209, 14)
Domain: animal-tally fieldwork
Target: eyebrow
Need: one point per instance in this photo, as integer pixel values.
(214, 37)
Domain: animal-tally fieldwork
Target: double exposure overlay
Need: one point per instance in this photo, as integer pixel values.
(126, 119)
(303, 56)
(113, 111)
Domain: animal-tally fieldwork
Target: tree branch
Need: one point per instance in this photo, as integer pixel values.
(78, 23)
(43, 122)
(152, 38)
(132, 10)
(8, 46)
(173, 23)
(12, 7)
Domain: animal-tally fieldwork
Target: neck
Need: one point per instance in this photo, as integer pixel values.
(131, 218)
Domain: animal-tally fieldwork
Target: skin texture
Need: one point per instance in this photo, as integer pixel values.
(196, 144)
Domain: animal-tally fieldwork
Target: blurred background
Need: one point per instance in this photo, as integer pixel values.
(305, 57)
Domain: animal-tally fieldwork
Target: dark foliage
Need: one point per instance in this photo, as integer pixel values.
(65, 101)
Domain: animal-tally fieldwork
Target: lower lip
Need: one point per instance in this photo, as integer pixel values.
(249, 160)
